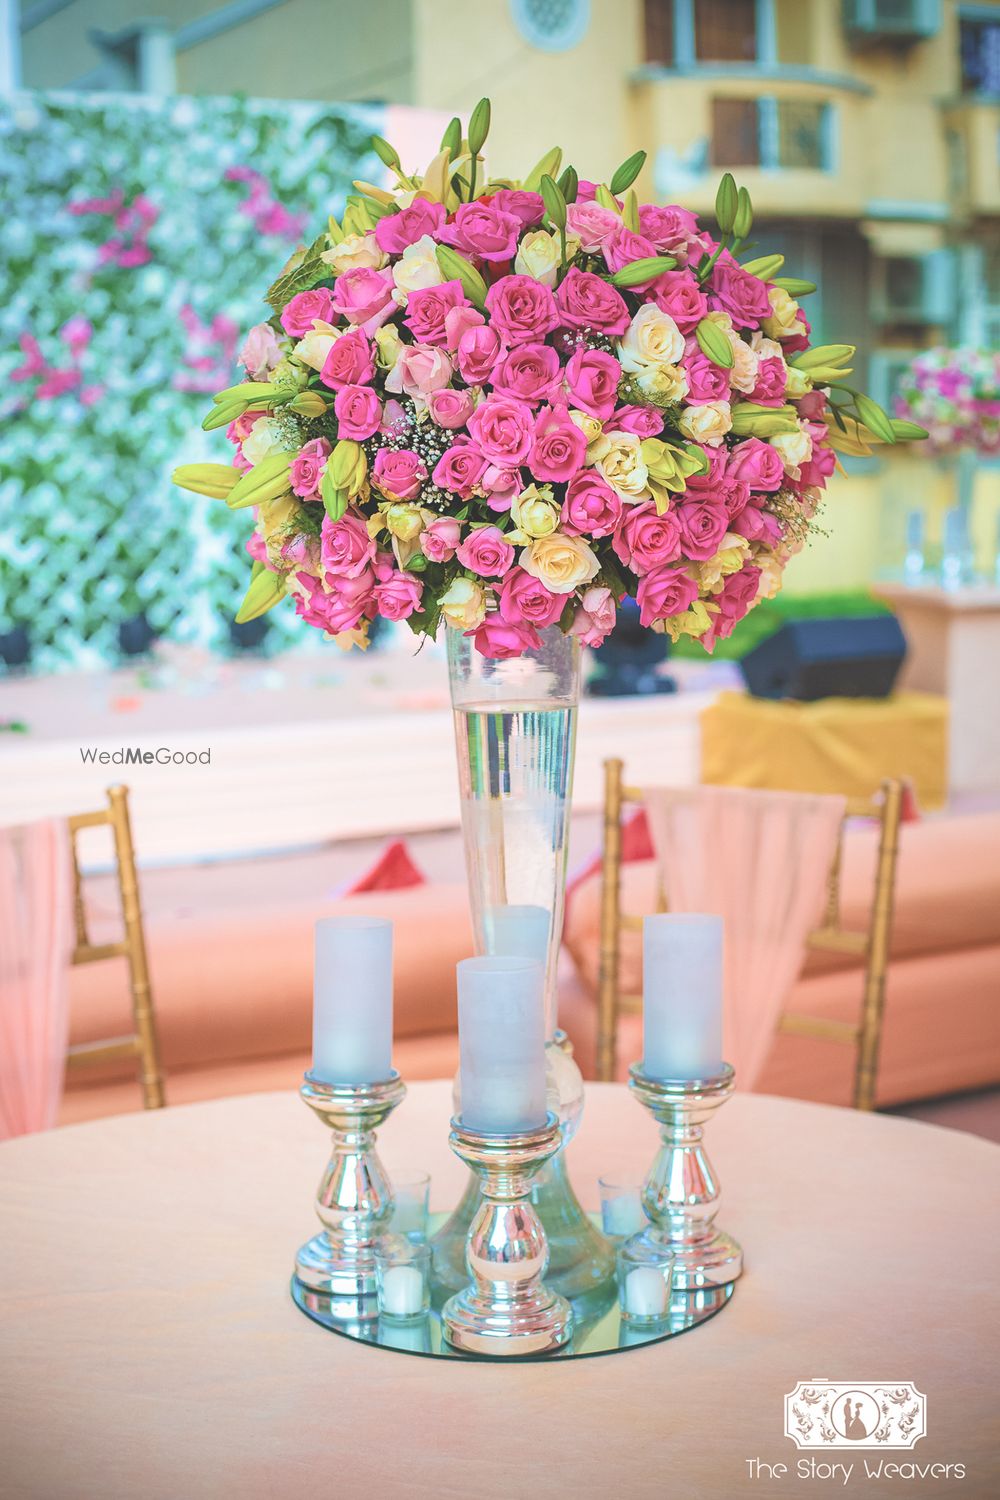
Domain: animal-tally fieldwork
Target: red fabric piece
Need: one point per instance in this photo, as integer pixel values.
(393, 870)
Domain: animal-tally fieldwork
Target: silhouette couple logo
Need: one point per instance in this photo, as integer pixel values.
(855, 1415)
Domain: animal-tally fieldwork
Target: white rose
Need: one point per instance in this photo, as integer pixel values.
(786, 315)
(618, 459)
(663, 383)
(354, 251)
(563, 563)
(265, 437)
(653, 338)
(539, 255)
(707, 423)
(417, 269)
(795, 448)
(463, 605)
(313, 349)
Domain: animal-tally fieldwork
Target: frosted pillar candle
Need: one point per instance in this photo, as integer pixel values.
(501, 1032)
(352, 1000)
(682, 996)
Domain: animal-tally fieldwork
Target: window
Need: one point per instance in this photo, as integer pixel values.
(980, 44)
(680, 33)
(659, 19)
(552, 25)
(801, 134)
(778, 134)
(725, 30)
(735, 133)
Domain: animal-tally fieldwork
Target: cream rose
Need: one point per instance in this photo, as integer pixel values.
(732, 554)
(418, 268)
(388, 346)
(652, 338)
(266, 436)
(617, 457)
(707, 423)
(562, 563)
(786, 315)
(797, 385)
(534, 512)
(795, 448)
(539, 255)
(463, 605)
(663, 383)
(354, 251)
(404, 521)
(313, 349)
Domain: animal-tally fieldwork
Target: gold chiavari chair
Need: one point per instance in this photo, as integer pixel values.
(141, 1042)
(870, 944)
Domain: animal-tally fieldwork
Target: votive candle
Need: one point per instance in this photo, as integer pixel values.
(352, 1000)
(682, 995)
(501, 1033)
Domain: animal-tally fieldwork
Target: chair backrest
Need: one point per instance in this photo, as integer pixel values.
(141, 1042)
(871, 944)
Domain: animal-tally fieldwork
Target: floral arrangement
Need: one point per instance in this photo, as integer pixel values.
(955, 394)
(509, 405)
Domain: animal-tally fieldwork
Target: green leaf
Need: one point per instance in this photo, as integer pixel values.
(555, 203)
(874, 418)
(455, 267)
(303, 278)
(479, 126)
(726, 202)
(764, 266)
(646, 269)
(266, 590)
(629, 170)
(743, 221)
(714, 344)
(908, 432)
(793, 286)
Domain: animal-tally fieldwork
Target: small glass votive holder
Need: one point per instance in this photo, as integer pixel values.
(621, 1206)
(644, 1277)
(402, 1278)
(411, 1192)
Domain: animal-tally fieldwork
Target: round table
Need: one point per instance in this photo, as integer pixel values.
(150, 1346)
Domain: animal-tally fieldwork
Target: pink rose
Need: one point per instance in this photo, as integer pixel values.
(592, 377)
(498, 639)
(261, 352)
(647, 540)
(644, 421)
(625, 246)
(742, 296)
(478, 352)
(664, 592)
(526, 207)
(500, 485)
(397, 594)
(394, 419)
(450, 408)
(715, 476)
(702, 524)
(595, 616)
(591, 507)
(459, 468)
(307, 468)
(559, 447)
(679, 294)
(395, 232)
(345, 546)
(349, 361)
(812, 405)
(361, 294)
(739, 591)
(301, 551)
(666, 225)
(439, 539)
(300, 314)
(523, 598)
(359, 412)
(400, 473)
(755, 523)
(585, 301)
(427, 309)
(420, 369)
(819, 467)
(522, 310)
(486, 552)
(592, 225)
(772, 378)
(483, 230)
(257, 548)
(531, 372)
(757, 464)
(457, 321)
(347, 603)
(706, 381)
(504, 429)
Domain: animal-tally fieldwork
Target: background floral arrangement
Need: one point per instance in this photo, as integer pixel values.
(955, 394)
(509, 408)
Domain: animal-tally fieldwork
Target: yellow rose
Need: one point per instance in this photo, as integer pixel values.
(795, 448)
(535, 512)
(354, 251)
(313, 349)
(403, 520)
(663, 383)
(798, 384)
(348, 639)
(417, 269)
(732, 554)
(539, 255)
(388, 346)
(463, 605)
(707, 423)
(786, 315)
(694, 621)
(652, 338)
(590, 426)
(618, 459)
(562, 563)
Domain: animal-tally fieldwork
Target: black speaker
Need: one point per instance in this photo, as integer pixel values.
(855, 657)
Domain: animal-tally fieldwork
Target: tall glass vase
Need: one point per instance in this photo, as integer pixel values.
(515, 735)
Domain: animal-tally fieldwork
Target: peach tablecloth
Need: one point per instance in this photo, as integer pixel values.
(150, 1347)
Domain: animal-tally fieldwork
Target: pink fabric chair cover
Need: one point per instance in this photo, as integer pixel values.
(761, 861)
(36, 938)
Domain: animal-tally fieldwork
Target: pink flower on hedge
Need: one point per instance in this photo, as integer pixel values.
(531, 372)
(359, 412)
(527, 207)
(647, 540)
(450, 408)
(349, 361)
(486, 552)
(592, 225)
(427, 309)
(396, 231)
(397, 594)
(420, 369)
(299, 315)
(592, 378)
(482, 229)
(307, 468)
(586, 301)
(679, 294)
(522, 310)
(706, 381)
(644, 421)
(523, 598)
(772, 378)
(591, 507)
(399, 473)
(757, 464)
(504, 429)
(459, 468)
(345, 546)
(363, 295)
(742, 296)
(595, 616)
(479, 349)
(439, 539)
(498, 639)
(665, 592)
(559, 447)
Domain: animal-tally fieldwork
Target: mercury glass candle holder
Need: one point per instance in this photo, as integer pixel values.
(681, 1191)
(354, 1200)
(402, 1275)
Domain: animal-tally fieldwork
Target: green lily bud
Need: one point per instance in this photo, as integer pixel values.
(555, 203)
(743, 220)
(764, 266)
(793, 286)
(479, 126)
(347, 466)
(823, 354)
(214, 480)
(266, 481)
(643, 270)
(451, 141)
(334, 499)
(630, 212)
(387, 155)
(245, 391)
(750, 420)
(874, 418)
(569, 184)
(266, 590)
(726, 202)
(223, 414)
(456, 268)
(827, 374)
(309, 404)
(547, 167)
(908, 432)
(629, 170)
(714, 344)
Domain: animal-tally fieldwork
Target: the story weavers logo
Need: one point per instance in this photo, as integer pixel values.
(853, 1414)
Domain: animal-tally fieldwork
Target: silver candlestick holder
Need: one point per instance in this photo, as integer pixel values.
(507, 1310)
(354, 1198)
(681, 1192)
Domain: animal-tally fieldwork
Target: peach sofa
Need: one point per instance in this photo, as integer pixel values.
(230, 955)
